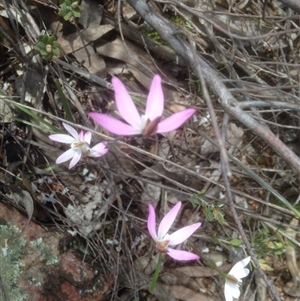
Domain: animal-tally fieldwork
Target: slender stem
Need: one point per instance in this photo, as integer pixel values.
(214, 267)
(156, 273)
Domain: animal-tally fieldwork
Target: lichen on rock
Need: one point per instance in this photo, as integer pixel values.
(12, 246)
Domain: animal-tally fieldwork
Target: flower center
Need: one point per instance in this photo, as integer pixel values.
(151, 126)
(83, 147)
(161, 246)
(232, 279)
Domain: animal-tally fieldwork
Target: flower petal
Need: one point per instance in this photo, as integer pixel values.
(182, 234)
(167, 221)
(63, 138)
(232, 289)
(174, 121)
(66, 156)
(75, 159)
(241, 273)
(227, 292)
(126, 105)
(152, 222)
(238, 270)
(114, 125)
(155, 100)
(182, 255)
(81, 136)
(87, 137)
(71, 130)
(98, 150)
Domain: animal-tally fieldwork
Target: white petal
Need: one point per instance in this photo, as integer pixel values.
(233, 289)
(241, 274)
(71, 130)
(98, 150)
(63, 138)
(87, 137)
(75, 159)
(65, 156)
(239, 267)
(227, 292)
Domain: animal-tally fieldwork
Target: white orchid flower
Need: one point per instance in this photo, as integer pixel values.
(79, 146)
(234, 279)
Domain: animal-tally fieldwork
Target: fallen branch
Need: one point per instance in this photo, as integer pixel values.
(293, 4)
(167, 30)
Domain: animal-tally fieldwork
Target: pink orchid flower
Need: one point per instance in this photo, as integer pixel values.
(164, 240)
(147, 124)
(80, 146)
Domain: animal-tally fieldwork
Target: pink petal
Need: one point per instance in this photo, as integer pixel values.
(113, 125)
(98, 150)
(62, 138)
(152, 222)
(174, 121)
(238, 270)
(87, 137)
(182, 234)
(65, 156)
(168, 221)
(81, 136)
(75, 159)
(71, 130)
(155, 100)
(182, 255)
(126, 105)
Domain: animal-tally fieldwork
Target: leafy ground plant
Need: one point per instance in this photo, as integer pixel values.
(47, 47)
(69, 9)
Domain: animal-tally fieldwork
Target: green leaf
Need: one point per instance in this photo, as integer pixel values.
(209, 214)
(218, 215)
(236, 242)
(36, 117)
(64, 101)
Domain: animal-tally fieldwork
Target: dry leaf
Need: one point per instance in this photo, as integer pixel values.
(183, 293)
(22, 197)
(132, 56)
(91, 14)
(163, 292)
(194, 271)
(78, 40)
(91, 61)
(234, 134)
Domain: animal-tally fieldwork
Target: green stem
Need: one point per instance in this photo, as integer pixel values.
(64, 101)
(157, 270)
(212, 266)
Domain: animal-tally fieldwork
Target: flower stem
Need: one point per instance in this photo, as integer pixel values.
(214, 267)
(157, 270)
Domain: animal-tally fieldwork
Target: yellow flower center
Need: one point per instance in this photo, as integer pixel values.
(161, 246)
(82, 146)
